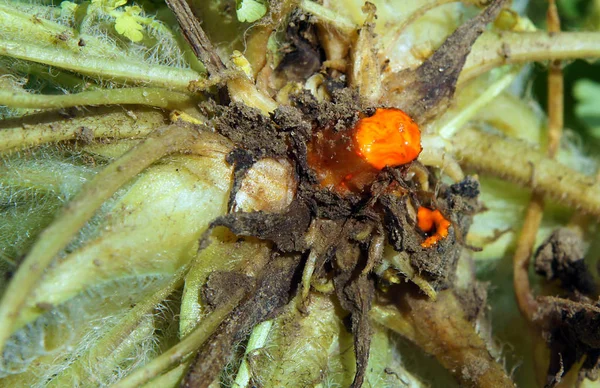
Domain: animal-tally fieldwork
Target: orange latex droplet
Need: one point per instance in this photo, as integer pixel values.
(388, 138)
(425, 219)
(428, 220)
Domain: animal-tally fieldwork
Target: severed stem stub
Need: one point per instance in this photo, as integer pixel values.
(199, 42)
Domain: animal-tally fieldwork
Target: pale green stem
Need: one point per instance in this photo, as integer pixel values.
(52, 240)
(119, 70)
(17, 24)
(110, 342)
(48, 127)
(257, 340)
(494, 50)
(243, 90)
(518, 162)
(143, 96)
(493, 91)
(189, 344)
(168, 379)
(52, 76)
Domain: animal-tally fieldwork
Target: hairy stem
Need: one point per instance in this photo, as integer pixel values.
(496, 49)
(189, 344)
(157, 97)
(119, 70)
(518, 162)
(20, 26)
(110, 342)
(52, 240)
(46, 127)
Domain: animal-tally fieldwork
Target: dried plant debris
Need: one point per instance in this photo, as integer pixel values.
(459, 203)
(561, 257)
(356, 296)
(569, 323)
(342, 222)
(571, 330)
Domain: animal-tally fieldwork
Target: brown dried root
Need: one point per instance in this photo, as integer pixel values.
(356, 296)
(196, 36)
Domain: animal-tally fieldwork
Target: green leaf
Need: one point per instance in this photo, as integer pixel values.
(127, 24)
(109, 4)
(587, 93)
(250, 10)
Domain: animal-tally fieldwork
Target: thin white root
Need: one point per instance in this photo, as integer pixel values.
(434, 157)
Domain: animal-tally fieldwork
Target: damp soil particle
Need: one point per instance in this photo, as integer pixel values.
(286, 230)
(341, 113)
(217, 289)
(252, 131)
